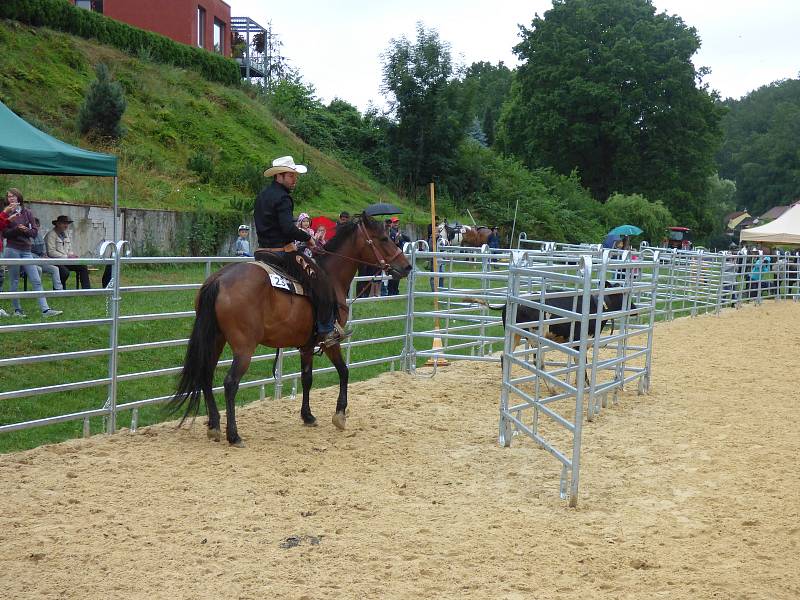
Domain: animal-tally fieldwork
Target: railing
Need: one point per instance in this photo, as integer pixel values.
(116, 294)
(431, 324)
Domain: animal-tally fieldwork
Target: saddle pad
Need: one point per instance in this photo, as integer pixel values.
(281, 281)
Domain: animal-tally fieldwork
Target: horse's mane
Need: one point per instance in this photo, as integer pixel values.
(345, 231)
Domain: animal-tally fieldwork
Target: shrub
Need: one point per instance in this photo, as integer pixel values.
(253, 180)
(202, 164)
(634, 209)
(63, 16)
(102, 109)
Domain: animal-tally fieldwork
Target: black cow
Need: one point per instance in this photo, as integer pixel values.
(563, 332)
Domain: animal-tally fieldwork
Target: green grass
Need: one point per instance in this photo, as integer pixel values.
(172, 114)
(95, 337)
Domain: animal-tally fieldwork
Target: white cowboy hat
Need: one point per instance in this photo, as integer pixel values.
(284, 164)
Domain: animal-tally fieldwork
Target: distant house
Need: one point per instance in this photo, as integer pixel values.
(201, 23)
(773, 213)
(733, 219)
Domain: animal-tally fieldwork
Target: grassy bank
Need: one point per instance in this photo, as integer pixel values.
(173, 116)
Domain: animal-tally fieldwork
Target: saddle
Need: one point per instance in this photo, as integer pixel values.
(281, 281)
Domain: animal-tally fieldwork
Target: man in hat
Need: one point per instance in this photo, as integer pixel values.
(277, 243)
(59, 245)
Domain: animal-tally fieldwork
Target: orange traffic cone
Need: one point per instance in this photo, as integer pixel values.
(437, 361)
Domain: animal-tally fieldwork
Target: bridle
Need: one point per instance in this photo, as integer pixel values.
(382, 262)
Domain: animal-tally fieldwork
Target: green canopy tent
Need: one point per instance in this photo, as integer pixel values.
(26, 150)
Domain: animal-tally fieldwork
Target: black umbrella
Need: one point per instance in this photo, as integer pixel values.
(382, 208)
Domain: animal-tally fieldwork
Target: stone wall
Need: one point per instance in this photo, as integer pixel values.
(148, 231)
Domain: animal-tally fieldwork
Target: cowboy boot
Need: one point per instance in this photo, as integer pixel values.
(336, 336)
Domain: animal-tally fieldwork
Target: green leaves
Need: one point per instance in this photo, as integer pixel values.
(608, 87)
(761, 146)
(418, 77)
(64, 16)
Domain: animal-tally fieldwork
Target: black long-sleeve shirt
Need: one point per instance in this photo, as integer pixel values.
(273, 216)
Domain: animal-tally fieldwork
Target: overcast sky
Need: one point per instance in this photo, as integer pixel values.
(337, 44)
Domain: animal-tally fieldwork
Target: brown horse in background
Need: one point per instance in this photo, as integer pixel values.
(238, 305)
(475, 236)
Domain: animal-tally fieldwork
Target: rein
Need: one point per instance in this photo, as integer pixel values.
(382, 263)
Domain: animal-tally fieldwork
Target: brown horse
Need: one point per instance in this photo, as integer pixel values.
(475, 236)
(238, 305)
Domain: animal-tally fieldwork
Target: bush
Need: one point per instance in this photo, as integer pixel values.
(63, 16)
(202, 164)
(100, 114)
(202, 232)
(253, 180)
(652, 217)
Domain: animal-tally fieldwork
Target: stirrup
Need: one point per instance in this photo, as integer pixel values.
(336, 336)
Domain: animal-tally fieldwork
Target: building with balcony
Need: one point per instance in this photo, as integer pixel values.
(201, 23)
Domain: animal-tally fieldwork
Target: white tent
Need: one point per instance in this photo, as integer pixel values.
(783, 230)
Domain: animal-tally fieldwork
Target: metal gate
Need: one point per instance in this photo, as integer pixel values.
(552, 383)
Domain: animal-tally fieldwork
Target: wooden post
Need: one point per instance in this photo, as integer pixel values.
(434, 239)
(437, 341)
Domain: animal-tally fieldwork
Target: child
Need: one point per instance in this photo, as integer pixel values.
(242, 247)
(304, 223)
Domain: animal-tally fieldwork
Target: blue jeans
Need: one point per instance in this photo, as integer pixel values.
(30, 270)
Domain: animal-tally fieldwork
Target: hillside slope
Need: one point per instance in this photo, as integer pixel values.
(173, 116)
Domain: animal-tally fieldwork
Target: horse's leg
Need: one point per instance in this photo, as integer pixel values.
(214, 431)
(335, 355)
(307, 377)
(239, 366)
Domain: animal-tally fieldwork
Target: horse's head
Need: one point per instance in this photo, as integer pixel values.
(373, 245)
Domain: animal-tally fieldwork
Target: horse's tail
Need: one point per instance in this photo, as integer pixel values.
(275, 362)
(484, 303)
(201, 355)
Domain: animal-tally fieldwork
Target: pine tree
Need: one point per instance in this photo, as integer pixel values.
(102, 109)
(476, 133)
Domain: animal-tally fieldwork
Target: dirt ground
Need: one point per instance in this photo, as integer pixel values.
(688, 492)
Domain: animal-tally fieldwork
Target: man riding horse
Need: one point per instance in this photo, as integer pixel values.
(277, 240)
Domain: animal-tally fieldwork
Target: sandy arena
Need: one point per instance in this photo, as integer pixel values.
(689, 492)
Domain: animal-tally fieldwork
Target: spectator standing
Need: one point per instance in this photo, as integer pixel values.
(59, 245)
(19, 240)
(38, 249)
(344, 217)
(493, 241)
(242, 247)
(4, 223)
(399, 238)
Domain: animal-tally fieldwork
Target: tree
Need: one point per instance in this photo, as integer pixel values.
(490, 86)
(418, 79)
(761, 150)
(608, 87)
(102, 109)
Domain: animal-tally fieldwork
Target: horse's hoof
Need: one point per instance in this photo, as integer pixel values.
(214, 434)
(340, 420)
(312, 422)
(239, 444)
